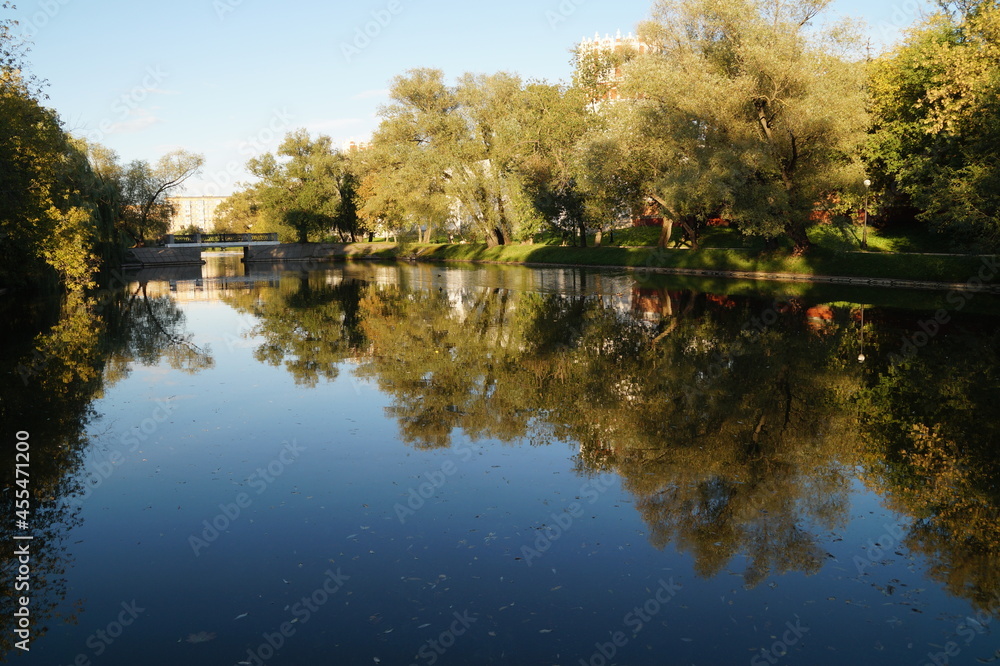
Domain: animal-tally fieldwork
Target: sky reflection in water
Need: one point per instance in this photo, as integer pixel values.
(412, 465)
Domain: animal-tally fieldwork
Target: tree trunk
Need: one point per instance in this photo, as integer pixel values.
(599, 237)
(583, 233)
(691, 228)
(665, 233)
(797, 232)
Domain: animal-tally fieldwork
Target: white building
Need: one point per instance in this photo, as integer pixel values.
(193, 211)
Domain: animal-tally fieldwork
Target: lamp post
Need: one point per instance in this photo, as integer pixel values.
(864, 219)
(861, 356)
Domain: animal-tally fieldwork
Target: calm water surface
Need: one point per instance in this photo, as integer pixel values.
(384, 464)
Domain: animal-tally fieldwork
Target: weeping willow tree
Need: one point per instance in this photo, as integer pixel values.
(744, 109)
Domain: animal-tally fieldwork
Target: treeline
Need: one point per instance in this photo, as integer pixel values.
(756, 112)
(68, 208)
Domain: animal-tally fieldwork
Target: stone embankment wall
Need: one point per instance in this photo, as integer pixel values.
(149, 257)
(311, 251)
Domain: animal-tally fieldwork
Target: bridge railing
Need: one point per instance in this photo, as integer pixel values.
(181, 239)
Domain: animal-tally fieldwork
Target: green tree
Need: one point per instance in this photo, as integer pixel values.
(743, 109)
(550, 120)
(242, 213)
(47, 222)
(409, 161)
(145, 212)
(936, 122)
(307, 186)
(491, 152)
(134, 196)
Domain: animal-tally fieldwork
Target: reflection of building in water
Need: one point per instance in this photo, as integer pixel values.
(193, 211)
(654, 303)
(208, 289)
(819, 318)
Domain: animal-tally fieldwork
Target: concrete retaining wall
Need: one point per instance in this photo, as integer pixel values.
(148, 257)
(294, 252)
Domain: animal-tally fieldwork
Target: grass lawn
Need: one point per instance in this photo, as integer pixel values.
(834, 254)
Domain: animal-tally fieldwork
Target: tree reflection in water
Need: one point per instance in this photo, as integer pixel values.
(738, 425)
(58, 358)
(735, 423)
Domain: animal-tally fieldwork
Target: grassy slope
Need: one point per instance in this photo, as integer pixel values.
(821, 261)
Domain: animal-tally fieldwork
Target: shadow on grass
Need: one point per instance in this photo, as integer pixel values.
(820, 261)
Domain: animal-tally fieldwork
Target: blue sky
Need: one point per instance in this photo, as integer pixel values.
(228, 78)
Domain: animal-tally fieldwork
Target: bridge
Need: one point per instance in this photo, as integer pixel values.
(219, 240)
(185, 249)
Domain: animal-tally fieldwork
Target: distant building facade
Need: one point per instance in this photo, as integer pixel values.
(193, 211)
(607, 47)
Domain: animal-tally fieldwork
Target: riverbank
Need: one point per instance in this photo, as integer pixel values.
(917, 271)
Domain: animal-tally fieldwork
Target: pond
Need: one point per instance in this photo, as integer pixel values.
(374, 463)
